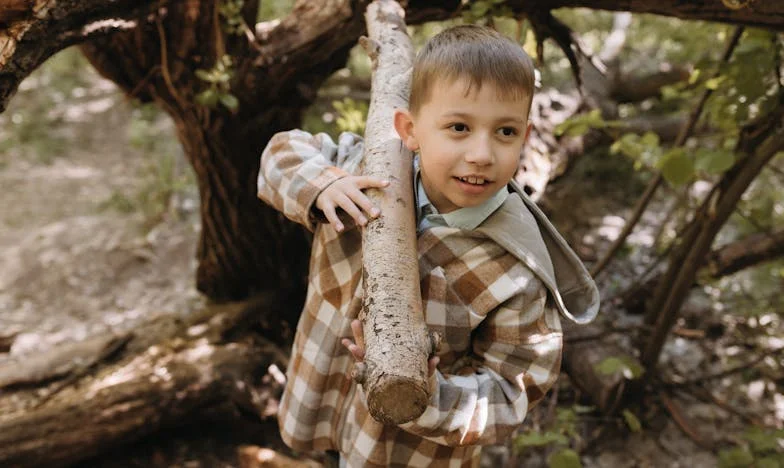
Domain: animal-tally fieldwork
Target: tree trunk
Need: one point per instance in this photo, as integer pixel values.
(397, 345)
(245, 246)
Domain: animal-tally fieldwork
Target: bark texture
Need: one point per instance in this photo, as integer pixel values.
(81, 399)
(396, 340)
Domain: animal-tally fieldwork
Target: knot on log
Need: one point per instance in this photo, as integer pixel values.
(359, 373)
(435, 342)
(372, 48)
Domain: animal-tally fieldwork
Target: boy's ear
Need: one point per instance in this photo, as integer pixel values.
(404, 125)
(528, 131)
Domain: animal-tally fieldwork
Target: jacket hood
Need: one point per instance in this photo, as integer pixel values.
(523, 230)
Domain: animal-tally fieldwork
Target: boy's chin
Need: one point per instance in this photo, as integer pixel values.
(469, 203)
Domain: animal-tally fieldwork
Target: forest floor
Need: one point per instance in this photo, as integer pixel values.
(98, 231)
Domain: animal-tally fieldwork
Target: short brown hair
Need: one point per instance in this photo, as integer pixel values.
(477, 53)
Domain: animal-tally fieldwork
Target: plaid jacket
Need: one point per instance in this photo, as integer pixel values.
(502, 338)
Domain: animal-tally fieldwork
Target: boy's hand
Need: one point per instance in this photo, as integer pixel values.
(346, 193)
(357, 347)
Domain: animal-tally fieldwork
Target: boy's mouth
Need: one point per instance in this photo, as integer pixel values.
(473, 180)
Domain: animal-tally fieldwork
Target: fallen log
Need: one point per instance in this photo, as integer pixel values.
(583, 357)
(77, 415)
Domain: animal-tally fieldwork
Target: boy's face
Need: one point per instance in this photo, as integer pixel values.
(469, 144)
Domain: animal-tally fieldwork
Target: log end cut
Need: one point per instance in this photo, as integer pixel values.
(397, 400)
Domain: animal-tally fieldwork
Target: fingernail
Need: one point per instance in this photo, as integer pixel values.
(362, 220)
(375, 212)
(339, 228)
(386, 182)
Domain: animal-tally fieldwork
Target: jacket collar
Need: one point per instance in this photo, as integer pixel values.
(523, 230)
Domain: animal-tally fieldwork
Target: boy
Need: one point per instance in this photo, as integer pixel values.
(486, 262)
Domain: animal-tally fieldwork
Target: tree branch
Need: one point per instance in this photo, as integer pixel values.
(699, 380)
(28, 36)
(759, 142)
(653, 185)
(749, 251)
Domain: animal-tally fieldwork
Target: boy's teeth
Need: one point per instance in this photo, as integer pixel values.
(473, 180)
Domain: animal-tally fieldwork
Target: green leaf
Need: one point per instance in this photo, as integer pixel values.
(580, 124)
(629, 145)
(223, 77)
(735, 458)
(566, 458)
(760, 440)
(714, 161)
(670, 93)
(203, 75)
(677, 167)
(582, 409)
(714, 83)
(538, 439)
(208, 98)
(626, 366)
(631, 421)
(768, 462)
(479, 9)
(695, 75)
(649, 139)
(229, 101)
(578, 129)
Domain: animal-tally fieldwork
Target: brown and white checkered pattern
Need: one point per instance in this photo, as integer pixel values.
(502, 338)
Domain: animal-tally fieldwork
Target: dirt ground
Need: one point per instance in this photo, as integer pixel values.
(77, 257)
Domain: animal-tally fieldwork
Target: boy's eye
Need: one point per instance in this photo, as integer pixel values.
(508, 131)
(459, 127)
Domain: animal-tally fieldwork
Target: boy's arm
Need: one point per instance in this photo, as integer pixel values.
(297, 166)
(516, 359)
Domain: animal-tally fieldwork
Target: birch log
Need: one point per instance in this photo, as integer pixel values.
(394, 374)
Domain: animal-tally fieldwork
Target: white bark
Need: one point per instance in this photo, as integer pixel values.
(397, 344)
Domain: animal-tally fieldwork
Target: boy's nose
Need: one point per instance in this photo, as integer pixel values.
(480, 152)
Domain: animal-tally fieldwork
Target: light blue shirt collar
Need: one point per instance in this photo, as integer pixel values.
(462, 218)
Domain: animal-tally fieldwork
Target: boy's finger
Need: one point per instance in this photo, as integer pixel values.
(359, 354)
(351, 209)
(359, 334)
(432, 363)
(361, 200)
(364, 182)
(332, 216)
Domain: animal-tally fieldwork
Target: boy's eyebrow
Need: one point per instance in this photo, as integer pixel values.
(466, 115)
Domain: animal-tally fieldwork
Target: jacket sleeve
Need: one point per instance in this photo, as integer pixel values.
(516, 358)
(297, 166)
